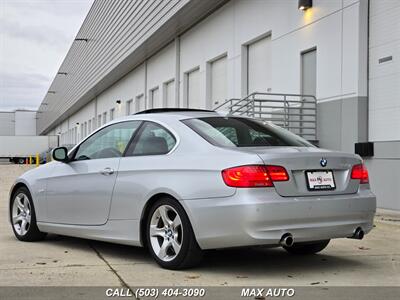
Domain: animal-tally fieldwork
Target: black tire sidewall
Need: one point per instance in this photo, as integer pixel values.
(33, 232)
(187, 237)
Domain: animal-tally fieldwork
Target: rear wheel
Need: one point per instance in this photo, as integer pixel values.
(170, 236)
(307, 248)
(23, 217)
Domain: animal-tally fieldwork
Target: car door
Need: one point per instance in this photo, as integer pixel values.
(139, 170)
(79, 192)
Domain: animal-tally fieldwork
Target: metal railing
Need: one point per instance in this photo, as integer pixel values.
(295, 112)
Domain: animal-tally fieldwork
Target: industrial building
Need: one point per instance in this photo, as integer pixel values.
(133, 55)
(19, 122)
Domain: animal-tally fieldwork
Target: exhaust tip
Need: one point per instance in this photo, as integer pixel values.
(287, 240)
(358, 234)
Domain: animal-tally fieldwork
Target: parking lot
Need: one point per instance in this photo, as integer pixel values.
(374, 261)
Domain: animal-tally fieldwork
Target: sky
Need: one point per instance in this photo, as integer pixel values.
(35, 36)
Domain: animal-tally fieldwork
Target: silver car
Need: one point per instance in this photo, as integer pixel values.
(182, 181)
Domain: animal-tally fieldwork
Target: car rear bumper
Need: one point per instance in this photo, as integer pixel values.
(261, 217)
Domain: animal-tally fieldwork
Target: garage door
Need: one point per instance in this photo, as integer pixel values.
(259, 66)
(170, 94)
(218, 81)
(309, 73)
(155, 99)
(384, 71)
(140, 105)
(193, 90)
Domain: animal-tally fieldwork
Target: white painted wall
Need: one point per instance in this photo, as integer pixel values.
(160, 70)
(124, 90)
(25, 122)
(78, 119)
(332, 27)
(7, 123)
(384, 78)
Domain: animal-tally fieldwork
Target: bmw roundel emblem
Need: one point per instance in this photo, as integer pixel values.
(323, 162)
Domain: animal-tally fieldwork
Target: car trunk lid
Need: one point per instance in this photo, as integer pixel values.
(299, 160)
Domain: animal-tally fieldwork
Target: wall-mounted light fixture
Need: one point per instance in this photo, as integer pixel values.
(81, 40)
(77, 123)
(305, 4)
(51, 92)
(118, 101)
(62, 73)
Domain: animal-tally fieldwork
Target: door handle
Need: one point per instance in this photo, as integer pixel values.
(107, 171)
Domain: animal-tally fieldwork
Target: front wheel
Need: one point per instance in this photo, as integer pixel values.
(23, 217)
(170, 236)
(307, 248)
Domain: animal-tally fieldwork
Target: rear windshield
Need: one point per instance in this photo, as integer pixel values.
(242, 132)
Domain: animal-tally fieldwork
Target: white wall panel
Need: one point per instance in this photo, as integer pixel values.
(225, 32)
(25, 122)
(161, 68)
(169, 94)
(79, 119)
(140, 103)
(155, 98)
(7, 123)
(259, 68)
(194, 99)
(384, 77)
(127, 88)
(218, 80)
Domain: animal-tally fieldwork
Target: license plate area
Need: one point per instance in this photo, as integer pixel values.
(320, 180)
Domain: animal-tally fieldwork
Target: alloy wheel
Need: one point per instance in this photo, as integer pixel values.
(166, 233)
(21, 214)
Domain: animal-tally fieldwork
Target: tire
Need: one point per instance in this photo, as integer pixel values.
(21, 161)
(307, 248)
(174, 246)
(23, 217)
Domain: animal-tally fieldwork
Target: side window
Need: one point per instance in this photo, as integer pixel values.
(152, 140)
(108, 142)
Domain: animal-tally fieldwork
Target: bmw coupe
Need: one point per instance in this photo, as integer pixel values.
(182, 181)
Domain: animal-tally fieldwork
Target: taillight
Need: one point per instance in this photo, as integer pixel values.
(360, 172)
(254, 176)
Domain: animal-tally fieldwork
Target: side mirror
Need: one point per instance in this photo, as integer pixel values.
(60, 154)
